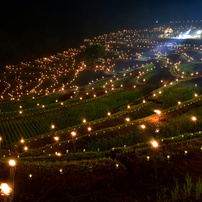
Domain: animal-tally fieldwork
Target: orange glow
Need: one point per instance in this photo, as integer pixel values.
(155, 144)
(143, 126)
(157, 111)
(73, 133)
(56, 138)
(5, 189)
(12, 163)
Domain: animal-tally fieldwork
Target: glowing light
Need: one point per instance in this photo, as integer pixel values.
(155, 144)
(5, 189)
(56, 138)
(73, 133)
(12, 163)
(52, 126)
(184, 35)
(59, 154)
(25, 148)
(199, 32)
(127, 119)
(143, 126)
(193, 118)
(157, 111)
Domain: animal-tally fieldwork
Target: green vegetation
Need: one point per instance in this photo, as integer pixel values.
(109, 99)
(92, 53)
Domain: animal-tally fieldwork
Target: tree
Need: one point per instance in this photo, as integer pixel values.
(94, 52)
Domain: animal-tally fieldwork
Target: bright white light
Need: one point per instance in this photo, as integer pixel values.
(12, 163)
(73, 133)
(157, 111)
(154, 144)
(143, 126)
(199, 32)
(5, 189)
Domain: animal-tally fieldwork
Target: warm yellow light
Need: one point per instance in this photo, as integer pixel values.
(155, 144)
(193, 118)
(84, 120)
(56, 138)
(179, 103)
(52, 126)
(22, 141)
(128, 106)
(5, 189)
(109, 114)
(143, 101)
(12, 163)
(127, 119)
(143, 126)
(0, 138)
(89, 129)
(157, 111)
(195, 95)
(73, 133)
(25, 148)
(20, 112)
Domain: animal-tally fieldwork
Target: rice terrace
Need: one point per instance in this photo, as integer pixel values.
(118, 118)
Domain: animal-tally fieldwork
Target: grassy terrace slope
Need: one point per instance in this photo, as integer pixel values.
(111, 158)
(37, 123)
(33, 121)
(126, 176)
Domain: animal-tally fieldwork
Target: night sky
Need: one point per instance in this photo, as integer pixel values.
(30, 29)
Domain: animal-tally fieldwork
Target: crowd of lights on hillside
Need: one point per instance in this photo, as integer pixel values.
(57, 73)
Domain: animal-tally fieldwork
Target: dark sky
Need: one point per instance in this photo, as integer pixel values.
(43, 27)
